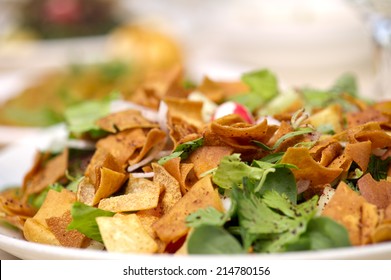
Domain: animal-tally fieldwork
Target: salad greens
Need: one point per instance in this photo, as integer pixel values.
(264, 215)
(83, 220)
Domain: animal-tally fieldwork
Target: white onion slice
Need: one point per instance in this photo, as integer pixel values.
(143, 174)
(80, 144)
(150, 156)
(162, 116)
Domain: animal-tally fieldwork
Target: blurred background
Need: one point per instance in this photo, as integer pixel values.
(304, 42)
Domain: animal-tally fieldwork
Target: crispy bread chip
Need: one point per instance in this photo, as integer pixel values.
(331, 115)
(206, 158)
(67, 238)
(159, 85)
(86, 192)
(56, 204)
(11, 203)
(110, 182)
(172, 226)
(182, 172)
(123, 120)
(172, 191)
(102, 158)
(129, 235)
(375, 192)
(366, 116)
(34, 231)
(154, 138)
(123, 144)
(360, 153)
(308, 168)
(190, 111)
(145, 195)
(48, 173)
(350, 209)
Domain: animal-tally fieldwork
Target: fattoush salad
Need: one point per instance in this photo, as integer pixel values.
(219, 167)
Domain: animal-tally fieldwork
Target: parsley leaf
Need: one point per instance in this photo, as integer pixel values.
(183, 150)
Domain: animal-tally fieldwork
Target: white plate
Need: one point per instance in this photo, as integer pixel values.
(16, 159)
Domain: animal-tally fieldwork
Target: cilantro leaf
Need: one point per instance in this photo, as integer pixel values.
(322, 233)
(378, 167)
(207, 216)
(213, 240)
(83, 220)
(232, 170)
(273, 220)
(183, 150)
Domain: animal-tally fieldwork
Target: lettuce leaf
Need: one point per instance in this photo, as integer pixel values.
(263, 86)
(84, 220)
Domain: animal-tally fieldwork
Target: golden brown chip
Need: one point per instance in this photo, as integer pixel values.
(187, 110)
(110, 182)
(67, 238)
(331, 115)
(365, 116)
(375, 192)
(369, 222)
(56, 204)
(378, 138)
(129, 235)
(123, 120)
(147, 219)
(172, 192)
(382, 233)
(179, 129)
(48, 173)
(159, 85)
(146, 197)
(172, 226)
(182, 172)
(34, 231)
(343, 162)
(206, 158)
(86, 192)
(155, 138)
(123, 144)
(360, 153)
(101, 158)
(330, 153)
(13, 204)
(349, 208)
(308, 168)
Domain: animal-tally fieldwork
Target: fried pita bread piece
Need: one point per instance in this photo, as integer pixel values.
(159, 85)
(182, 172)
(141, 194)
(308, 168)
(172, 191)
(155, 139)
(360, 153)
(48, 226)
(220, 91)
(331, 115)
(124, 120)
(375, 192)
(206, 158)
(368, 115)
(125, 234)
(44, 173)
(172, 225)
(352, 210)
(123, 145)
(232, 131)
